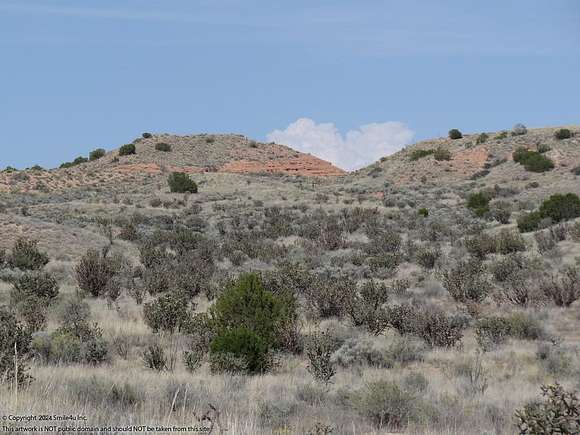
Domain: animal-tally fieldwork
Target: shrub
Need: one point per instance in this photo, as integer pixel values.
(385, 404)
(491, 332)
(94, 272)
(501, 212)
(519, 129)
(14, 349)
(162, 146)
(441, 154)
(427, 257)
(502, 135)
(245, 344)
(423, 212)
(319, 349)
(561, 207)
(537, 162)
(227, 363)
(154, 357)
(482, 138)
(356, 351)
(529, 222)
(179, 182)
(478, 203)
(127, 149)
(508, 242)
(559, 413)
(146, 135)
(532, 161)
(26, 256)
(97, 154)
(83, 345)
(455, 134)
(167, 313)
(419, 154)
(246, 310)
(40, 285)
(563, 133)
(364, 305)
(542, 148)
(466, 282)
(564, 289)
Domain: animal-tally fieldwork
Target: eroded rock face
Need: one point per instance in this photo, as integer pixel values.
(305, 165)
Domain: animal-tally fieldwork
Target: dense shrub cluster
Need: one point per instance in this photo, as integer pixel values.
(179, 182)
(478, 203)
(557, 208)
(95, 273)
(127, 149)
(533, 161)
(162, 146)
(563, 133)
(493, 331)
(25, 255)
(97, 154)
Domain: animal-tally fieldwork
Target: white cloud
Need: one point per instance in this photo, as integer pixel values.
(357, 148)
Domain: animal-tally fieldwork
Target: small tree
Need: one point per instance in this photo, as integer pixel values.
(97, 154)
(455, 134)
(179, 182)
(127, 149)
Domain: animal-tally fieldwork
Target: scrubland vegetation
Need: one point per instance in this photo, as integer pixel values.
(316, 309)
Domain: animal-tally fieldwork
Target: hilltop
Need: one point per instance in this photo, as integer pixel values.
(203, 153)
(488, 161)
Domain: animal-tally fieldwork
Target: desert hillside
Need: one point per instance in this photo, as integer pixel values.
(486, 160)
(432, 293)
(159, 154)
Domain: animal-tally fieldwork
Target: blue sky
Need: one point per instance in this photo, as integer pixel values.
(353, 79)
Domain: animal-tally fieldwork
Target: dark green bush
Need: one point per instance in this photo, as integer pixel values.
(162, 146)
(26, 256)
(419, 154)
(478, 203)
(14, 347)
(561, 207)
(532, 161)
(246, 310)
(146, 135)
(245, 344)
(423, 212)
(97, 154)
(563, 133)
(127, 149)
(530, 222)
(455, 134)
(179, 182)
